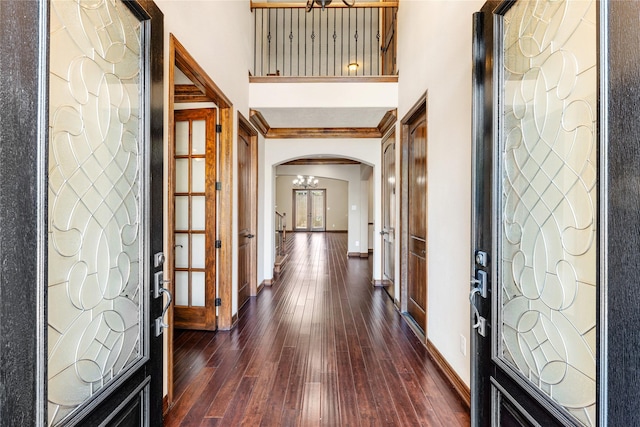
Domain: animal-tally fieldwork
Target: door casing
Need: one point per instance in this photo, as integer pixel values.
(419, 109)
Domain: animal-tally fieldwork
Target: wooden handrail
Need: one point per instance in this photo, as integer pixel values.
(334, 5)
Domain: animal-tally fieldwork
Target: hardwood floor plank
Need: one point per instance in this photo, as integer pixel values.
(275, 402)
(235, 411)
(258, 400)
(319, 347)
(191, 394)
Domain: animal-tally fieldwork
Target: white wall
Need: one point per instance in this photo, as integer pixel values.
(217, 34)
(434, 55)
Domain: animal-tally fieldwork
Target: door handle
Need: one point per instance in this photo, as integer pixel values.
(250, 236)
(158, 291)
(479, 288)
(383, 232)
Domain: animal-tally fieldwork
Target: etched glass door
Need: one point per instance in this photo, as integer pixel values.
(99, 222)
(317, 202)
(301, 206)
(545, 183)
(309, 210)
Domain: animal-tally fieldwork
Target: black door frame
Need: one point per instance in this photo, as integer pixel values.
(24, 47)
(619, 212)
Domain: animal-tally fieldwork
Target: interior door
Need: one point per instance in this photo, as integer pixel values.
(389, 211)
(247, 208)
(417, 224)
(104, 214)
(536, 214)
(193, 219)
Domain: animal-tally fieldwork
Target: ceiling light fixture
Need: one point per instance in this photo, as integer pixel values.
(325, 3)
(305, 182)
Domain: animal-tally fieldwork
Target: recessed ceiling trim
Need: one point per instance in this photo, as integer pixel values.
(267, 131)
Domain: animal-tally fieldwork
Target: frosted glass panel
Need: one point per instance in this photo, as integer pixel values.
(182, 138)
(181, 250)
(301, 201)
(317, 207)
(182, 212)
(182, 175)
(95, 234)
(549, 201)
(199, 137)
(182, 288)
(197, 251)
(197, 174)
(197, 289)
(197, 213)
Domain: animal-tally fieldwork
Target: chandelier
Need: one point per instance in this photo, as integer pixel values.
(324, 3)
(305, 182)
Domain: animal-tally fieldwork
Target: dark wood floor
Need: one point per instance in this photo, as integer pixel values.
(319, 347)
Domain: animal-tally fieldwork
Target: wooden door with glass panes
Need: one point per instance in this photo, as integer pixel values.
(193, 219)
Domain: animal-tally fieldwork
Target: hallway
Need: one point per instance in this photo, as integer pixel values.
(319, 347)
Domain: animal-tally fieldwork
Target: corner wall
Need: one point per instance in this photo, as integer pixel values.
(434, 55)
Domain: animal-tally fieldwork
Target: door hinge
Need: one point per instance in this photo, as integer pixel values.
(218, 244)
(218, 302)
(218, 128)
(218, 185)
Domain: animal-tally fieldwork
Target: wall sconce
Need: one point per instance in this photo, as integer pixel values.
(353, 66)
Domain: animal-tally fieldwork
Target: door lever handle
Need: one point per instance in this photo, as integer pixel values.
(250, 236)
(160, 323)
(383, 232)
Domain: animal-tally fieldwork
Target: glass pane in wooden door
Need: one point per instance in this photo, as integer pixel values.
(190, 213)
(548, 201)
(317, 210)
(301, 209)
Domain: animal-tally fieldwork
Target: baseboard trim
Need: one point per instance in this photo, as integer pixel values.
(259, 288)
(456, 382)
(378, 282)
(266, 282)
(165, 404)
(364, 254)
(353, 254)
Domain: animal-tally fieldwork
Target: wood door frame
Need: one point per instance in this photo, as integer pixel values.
(389, 139)
(181, 58)
(418, 108)
(253, 198)
(194, 314)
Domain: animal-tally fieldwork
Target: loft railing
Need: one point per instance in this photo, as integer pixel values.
(289, 41)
